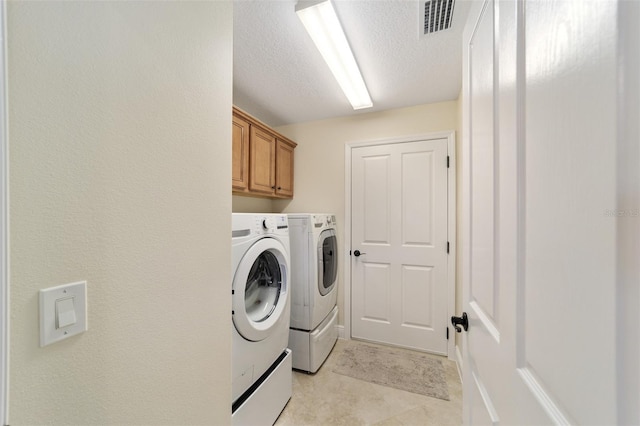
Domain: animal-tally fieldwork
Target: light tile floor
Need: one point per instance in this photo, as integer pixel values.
(328, 398)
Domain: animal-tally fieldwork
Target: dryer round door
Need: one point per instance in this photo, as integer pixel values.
(327, 261)
(260, 289)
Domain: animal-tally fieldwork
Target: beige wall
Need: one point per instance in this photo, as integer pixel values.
(120, 164)
(243, 204)
(320, 156)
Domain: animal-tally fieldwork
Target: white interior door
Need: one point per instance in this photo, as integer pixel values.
(539, 176)
(486, 380)
(399, 224)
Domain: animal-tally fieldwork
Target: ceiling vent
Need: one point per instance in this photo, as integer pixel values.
(437, 14)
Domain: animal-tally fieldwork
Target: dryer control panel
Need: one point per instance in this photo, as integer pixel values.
(324, 220)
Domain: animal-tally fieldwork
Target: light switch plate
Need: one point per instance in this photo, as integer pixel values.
(49, 298)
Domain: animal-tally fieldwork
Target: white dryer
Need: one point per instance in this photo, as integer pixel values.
(261, 362)
(314, 292)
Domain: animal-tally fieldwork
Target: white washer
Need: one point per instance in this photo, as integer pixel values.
(314, 292)
(261, 362)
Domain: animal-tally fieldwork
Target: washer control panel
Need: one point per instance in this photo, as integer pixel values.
(270, 224)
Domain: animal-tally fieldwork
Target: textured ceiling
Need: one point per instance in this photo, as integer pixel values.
(280, 77)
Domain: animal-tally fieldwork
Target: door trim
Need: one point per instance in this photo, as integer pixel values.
(4, 237)
(451, 223)
(628, 228)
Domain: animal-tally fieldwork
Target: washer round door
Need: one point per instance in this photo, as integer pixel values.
(260, 289)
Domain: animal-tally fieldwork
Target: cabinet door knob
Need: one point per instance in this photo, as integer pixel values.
(279, 187)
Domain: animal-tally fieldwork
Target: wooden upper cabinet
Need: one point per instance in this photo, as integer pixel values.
(284, 168)
(240, 167)
(262, 177)
(262, 159)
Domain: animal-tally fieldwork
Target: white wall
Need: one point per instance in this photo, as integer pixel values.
(319, 156)
(119, 130)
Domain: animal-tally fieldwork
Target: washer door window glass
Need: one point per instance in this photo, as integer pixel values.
(263, 287)
(328, 261)
(260, 289)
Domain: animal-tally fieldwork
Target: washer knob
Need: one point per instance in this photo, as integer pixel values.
(267, 224)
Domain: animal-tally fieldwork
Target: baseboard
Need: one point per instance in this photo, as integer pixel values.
(340, 331)
(459, 362)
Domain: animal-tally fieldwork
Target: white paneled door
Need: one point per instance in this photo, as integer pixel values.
(542, 263)
(399, 244)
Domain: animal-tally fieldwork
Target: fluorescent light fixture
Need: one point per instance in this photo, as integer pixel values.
(321, 22)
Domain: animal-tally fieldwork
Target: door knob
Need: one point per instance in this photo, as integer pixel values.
(357, 253)
(460, 321)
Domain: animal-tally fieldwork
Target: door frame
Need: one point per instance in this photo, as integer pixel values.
(628, 229)
(4, 237)
(451, 223)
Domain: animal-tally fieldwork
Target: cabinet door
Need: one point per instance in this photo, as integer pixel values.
(240, 167)
(262, 178)
(284, 169)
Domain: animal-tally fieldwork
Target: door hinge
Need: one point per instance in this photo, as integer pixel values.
(447, 247)
(447, 161)
(447, 333)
